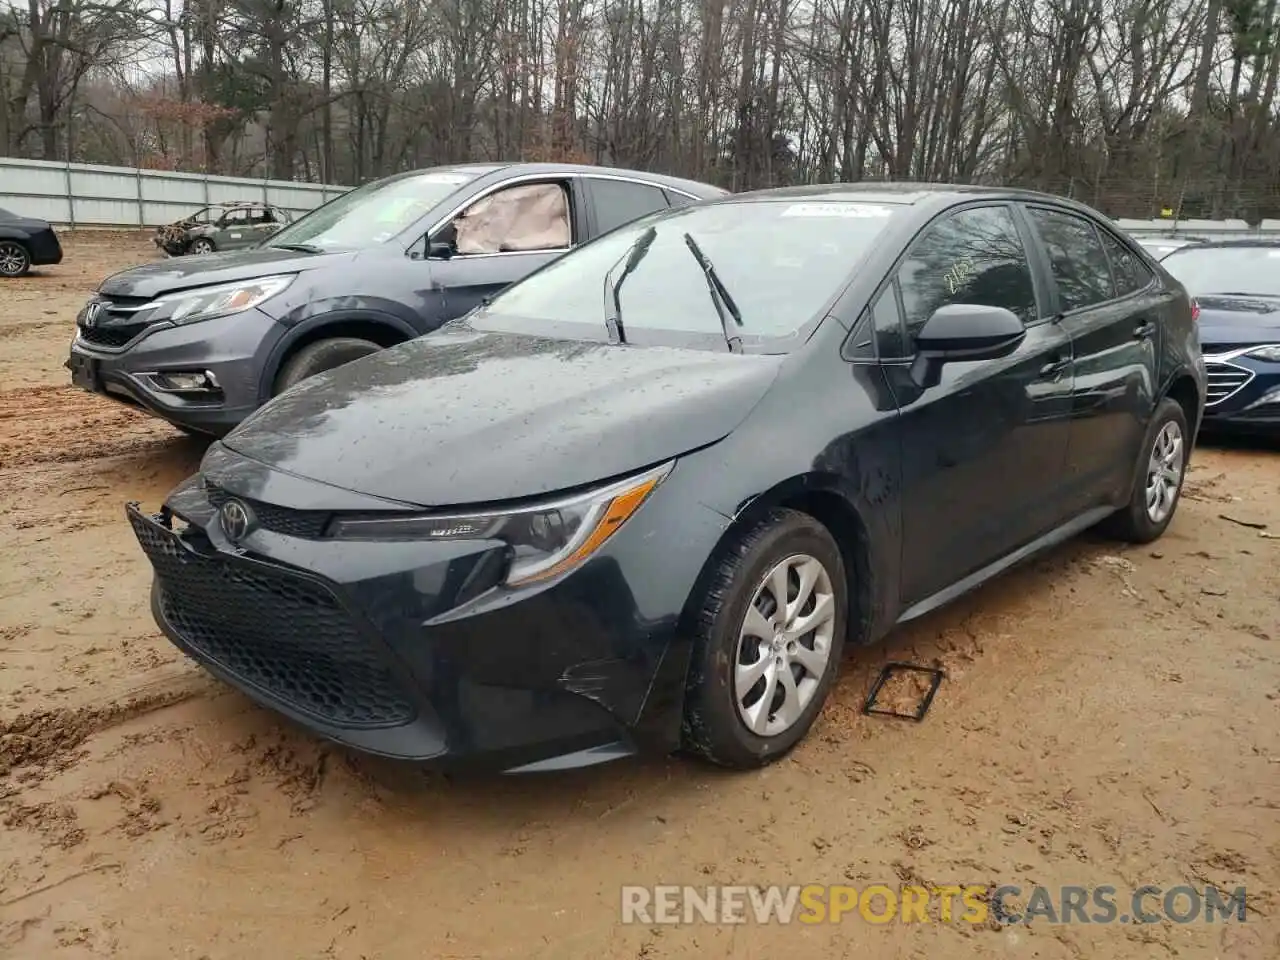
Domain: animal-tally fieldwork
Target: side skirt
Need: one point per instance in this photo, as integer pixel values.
(979, 577)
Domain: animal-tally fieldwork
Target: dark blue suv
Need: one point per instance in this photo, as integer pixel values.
(203, 342)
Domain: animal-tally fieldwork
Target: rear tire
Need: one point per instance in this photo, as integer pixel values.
(756, 683)
(321, 356)
(15, 260)
(1157, 486)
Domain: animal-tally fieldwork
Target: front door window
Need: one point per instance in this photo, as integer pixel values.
(533, 216)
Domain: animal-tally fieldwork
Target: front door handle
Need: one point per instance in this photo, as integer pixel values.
(1055, 368)
(1144, 331)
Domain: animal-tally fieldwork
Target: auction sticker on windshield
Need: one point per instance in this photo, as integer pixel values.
(836, 210)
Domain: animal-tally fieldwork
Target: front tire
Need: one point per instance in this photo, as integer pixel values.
(762, 665)
(1158, 485)
(202, 246)
(15, 261)
(321, 356)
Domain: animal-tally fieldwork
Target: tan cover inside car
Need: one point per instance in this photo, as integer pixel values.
(532, 217)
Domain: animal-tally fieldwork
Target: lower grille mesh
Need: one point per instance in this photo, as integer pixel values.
(284, 634)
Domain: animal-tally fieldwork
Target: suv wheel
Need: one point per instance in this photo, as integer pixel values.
(321, 356)
(768, 640)
(201, 246)
(14, 259)
(1158, 486)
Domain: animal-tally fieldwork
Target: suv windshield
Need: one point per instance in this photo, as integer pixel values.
(1204, 271)
(778, 260)
(372, 213)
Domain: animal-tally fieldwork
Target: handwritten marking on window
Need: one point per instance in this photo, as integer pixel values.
(961, 272)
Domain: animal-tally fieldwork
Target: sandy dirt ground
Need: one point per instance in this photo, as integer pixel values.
(1111, 716)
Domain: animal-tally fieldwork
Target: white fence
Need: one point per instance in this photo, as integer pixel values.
(86, 194)
(1206, 229)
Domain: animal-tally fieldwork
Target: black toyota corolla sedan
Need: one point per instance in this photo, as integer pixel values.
(644, 498)
(1236, 284)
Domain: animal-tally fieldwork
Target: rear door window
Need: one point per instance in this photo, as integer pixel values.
(620, 201)
(1131, 274)
(1076, 258)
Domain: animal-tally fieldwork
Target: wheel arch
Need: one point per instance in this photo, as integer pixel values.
(384, 330)
(819, 496)
(1183, 389)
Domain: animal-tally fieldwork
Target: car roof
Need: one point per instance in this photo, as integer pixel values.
(906, 192)
(1235, 242)
(521, 169)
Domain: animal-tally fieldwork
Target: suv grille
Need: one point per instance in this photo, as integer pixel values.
(284, 634)
(117, 324)
(292, 523)
(1225, 380)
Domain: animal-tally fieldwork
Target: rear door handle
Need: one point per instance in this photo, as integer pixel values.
(1056, 367)
(1143, 331)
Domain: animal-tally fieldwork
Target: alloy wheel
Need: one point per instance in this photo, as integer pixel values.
(784, 645)
(13, 260)
(1164, 472)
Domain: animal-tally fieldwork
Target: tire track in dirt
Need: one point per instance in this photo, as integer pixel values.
(40, 738)
(56, 424)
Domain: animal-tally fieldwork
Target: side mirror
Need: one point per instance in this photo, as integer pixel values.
(970, 331)
(964, 331)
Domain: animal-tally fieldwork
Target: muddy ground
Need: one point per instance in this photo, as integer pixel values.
(1111, 716)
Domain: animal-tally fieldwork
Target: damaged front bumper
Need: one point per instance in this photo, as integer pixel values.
(392, 649)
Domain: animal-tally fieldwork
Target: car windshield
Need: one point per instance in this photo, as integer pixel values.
(372, 213)
(779, 261)
(1248, 271)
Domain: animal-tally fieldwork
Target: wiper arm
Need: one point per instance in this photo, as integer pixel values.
(300, 247)
(725, 307)
(613, 309)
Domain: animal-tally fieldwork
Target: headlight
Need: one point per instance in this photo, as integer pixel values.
(543, 540)
(205, 303)
(1270, 352)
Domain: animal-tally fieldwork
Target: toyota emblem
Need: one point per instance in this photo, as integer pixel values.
(237, 520)
(91, 312)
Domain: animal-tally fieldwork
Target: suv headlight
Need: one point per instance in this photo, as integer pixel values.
(1270, 352)
(224, 299)
(543, 540)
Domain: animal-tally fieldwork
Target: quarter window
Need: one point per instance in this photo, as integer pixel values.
(887, 320)
(1076, 258)
(618, 202)
(1131, 274)
(974, 256)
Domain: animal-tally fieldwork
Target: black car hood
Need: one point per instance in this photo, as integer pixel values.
(462, 416)
(1229, 322)
(165, 276)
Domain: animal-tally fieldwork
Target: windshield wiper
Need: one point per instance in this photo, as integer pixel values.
(299, 247)
(613, 310)
(719, 296)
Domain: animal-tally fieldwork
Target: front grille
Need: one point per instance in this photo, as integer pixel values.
(284, 634)
(1225, 380)
(117, 324)
(308, 524)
